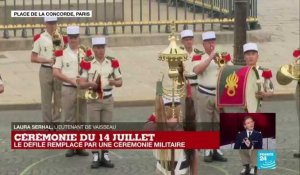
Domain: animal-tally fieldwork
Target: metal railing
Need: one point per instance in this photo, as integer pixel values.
(127, 16)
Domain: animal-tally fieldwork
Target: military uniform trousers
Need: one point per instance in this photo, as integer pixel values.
(100, 110)
(69, 105)
(248, 156)
(50, 89)
(208, 113)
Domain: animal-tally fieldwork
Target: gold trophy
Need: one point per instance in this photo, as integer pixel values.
(58, 45)
(57, 39)
(175, 57)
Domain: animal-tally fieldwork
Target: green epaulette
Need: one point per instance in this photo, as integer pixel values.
(109, 58)
(197, 51)
(262, 68)
(89, 58)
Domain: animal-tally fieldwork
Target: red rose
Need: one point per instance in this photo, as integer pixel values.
(227, 57)
(115, 63)
(58, 53)
(36, 37)
(196, 58)
(267, 74)
(296, 53)
(66, 41)
(85, 65)
(88, 53)
(152, 118)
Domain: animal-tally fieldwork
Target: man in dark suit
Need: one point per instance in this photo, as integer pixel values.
(248, 141)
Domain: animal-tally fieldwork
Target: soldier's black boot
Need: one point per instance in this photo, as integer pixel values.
(245, 170)
(207, 156)
(218, 157)
(297, 155)
(105, 160)
(96, 162)
(252, 171)
(70, 153)
(82, 152)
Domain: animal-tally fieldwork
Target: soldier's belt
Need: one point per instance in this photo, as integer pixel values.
(207, 90)
(106, 97)
(69, 85)
(46, 66)
(107, 92)
(194, 77)
(192, 80)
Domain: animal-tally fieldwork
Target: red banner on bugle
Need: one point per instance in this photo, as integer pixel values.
(114, 140)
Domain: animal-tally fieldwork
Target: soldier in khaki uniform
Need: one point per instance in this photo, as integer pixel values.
(207, 71)
(285, 75)
(248, 157)
(297, 94)
(1, 85)
(101, 110)
(66, 69)
(251, 56)
(187, 40)
(42, 53)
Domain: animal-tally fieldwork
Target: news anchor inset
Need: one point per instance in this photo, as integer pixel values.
(248, 141)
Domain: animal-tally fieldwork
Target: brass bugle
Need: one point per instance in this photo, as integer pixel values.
(219, 60)
(91, 95)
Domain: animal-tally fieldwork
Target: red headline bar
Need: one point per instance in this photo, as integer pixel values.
(114, 140)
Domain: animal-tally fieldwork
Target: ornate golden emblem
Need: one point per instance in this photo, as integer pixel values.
(231, 84)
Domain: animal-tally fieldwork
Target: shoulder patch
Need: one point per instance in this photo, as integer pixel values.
(36, 37)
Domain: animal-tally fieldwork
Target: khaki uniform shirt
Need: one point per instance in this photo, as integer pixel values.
(106, 72)
(43, 45)
(210, 76)
(188, 67)
(69, 63)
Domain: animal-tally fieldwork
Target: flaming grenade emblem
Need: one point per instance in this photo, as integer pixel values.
(231, 84)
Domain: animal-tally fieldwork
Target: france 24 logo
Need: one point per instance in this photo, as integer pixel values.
(266, 159)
